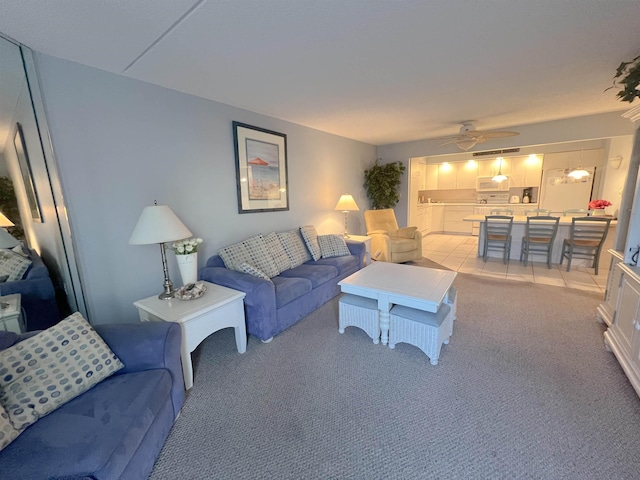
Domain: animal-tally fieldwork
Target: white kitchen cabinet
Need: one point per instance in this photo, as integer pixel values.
(453, 219)
(431, 177)
(533, 171)
(491, 167)
(606, 309)
(446, 176)
(623, 337)
(437, 218)
(467, 174)
(518, 172)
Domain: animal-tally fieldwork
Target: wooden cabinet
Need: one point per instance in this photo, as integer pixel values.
(466, 174)
(431, 177)
(606, 309)
(437, 218)
(490, 168)
(533, 171)
(623, 337)
(446, 176)
(453, 219)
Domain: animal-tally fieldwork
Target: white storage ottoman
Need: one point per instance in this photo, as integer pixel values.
(425, 330)
(359, 312)
(452, 300)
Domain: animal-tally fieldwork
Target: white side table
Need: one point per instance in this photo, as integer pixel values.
(220, 307)
(367, 243)
(10, 313)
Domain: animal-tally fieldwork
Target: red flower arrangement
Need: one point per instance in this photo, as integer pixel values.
(599, 204)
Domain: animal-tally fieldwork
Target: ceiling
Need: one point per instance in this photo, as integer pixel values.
(378, 71)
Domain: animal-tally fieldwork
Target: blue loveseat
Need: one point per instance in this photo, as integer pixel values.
(38, 297)
(273, 306)
(116, 429)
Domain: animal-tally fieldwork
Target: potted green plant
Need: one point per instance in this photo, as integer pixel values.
(627, 78)
(382, 183)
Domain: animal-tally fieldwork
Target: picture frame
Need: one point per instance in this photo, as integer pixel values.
(261, 169)
(27, 174)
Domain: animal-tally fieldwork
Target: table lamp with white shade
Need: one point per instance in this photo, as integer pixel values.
(6, 239)
(346, 204)
(158, 224)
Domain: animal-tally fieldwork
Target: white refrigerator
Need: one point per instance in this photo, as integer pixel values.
(560, 192)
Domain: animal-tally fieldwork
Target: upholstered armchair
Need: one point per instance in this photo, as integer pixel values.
(390, 243)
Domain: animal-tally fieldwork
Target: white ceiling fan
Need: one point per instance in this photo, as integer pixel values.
(469, 136)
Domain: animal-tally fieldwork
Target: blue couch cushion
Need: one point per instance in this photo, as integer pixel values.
(343, 264)
(316, 273)
(102, 427)
(288, 289)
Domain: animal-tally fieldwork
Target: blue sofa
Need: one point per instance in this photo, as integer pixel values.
(38, 297)
(116, 429)
(273, 306)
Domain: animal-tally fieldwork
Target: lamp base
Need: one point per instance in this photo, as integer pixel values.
(167, 295)
(168, 292)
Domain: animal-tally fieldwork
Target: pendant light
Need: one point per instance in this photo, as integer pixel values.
(499, 177)
(579, 172)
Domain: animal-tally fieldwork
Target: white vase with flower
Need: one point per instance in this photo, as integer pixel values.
(187, 256)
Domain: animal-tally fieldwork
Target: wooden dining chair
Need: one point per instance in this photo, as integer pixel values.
(501, 211)
(539, 236)
(586, 238)
(497, 235)
(536, 212)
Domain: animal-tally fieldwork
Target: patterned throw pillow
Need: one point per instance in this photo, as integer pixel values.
(311, 240)
(234, 255)
(13, 264)
(251, 270)
(333, 246)
(280, 257)
(260, 256)
(47, 370)
(295, 247)
(8, 433)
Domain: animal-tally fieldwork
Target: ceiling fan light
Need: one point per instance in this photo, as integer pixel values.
(466, 143)
(579, 173)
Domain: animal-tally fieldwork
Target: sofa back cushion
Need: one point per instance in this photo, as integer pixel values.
(253, 251)
(47, 370)
(294, 246)
(278, 254)
(13, 265)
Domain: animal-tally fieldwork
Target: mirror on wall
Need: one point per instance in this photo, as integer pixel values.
(29, 183)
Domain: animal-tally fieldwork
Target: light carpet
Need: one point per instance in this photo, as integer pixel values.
(525, 389)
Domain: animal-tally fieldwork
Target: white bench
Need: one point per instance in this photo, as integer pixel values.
(361, 312)
(425, 330)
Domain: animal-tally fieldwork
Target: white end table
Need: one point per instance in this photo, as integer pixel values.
(367, 243)
(10, 313)
(220, 307)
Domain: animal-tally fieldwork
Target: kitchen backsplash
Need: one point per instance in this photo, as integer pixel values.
(467, 195)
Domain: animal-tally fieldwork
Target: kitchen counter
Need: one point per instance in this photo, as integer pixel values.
(518, 231)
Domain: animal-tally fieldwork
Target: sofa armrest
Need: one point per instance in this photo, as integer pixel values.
(148, 346)
(407, 232)
(358, 249)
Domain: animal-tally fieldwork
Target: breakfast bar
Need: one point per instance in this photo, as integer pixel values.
(518, 231)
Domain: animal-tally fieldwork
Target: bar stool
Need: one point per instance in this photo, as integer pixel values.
(497, 235)
(539, 235)
(585, 240)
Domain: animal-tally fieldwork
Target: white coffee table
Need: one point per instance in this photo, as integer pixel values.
(396, 284)
(220, 307)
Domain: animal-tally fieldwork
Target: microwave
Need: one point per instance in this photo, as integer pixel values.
(487, 184)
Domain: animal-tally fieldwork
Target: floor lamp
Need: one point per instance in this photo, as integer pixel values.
(158, 224)
(346, 204)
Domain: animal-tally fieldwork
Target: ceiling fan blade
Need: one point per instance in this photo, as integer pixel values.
(448, 142)
(499, 134)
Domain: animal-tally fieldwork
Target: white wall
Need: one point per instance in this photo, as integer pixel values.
(120, 144)
(545, 134)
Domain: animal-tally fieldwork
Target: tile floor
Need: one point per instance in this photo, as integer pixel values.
(459, 253)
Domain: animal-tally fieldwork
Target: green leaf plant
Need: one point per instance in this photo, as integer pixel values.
(382, 184)
(627, 78)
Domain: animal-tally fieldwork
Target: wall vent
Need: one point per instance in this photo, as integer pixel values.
(496, 152)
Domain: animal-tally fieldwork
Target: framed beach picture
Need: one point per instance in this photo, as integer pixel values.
(261, 169)
(27, 174)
